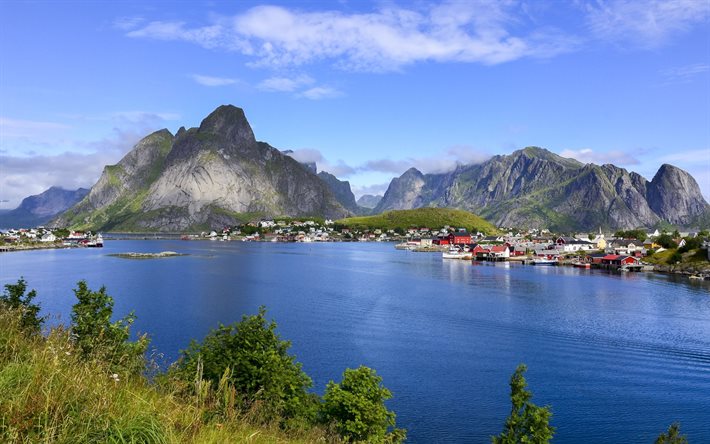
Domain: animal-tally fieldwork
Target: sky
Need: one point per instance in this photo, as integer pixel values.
(365, 89)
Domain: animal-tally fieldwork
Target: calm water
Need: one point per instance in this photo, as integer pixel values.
(618, 357)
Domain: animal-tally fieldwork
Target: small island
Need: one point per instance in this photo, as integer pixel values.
(147, 255)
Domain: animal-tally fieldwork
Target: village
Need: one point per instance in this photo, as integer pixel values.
(534, 246)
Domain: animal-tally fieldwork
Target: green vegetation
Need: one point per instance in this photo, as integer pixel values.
(672, 436)
(639, 234)
(87, 383)
(356, 408)
(526, 422)
(96, 337)
(255, 361)
(14, 298)
(433, 218)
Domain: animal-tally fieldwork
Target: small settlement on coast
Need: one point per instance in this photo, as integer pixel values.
(534, 247)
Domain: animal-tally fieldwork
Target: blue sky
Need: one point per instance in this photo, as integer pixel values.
(366, 89)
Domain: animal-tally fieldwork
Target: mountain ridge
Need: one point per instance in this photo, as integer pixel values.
(536, 188)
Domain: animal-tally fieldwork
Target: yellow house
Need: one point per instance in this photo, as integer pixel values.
(650, 245)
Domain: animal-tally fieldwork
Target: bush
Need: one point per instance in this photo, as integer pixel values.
(14, 298)
(356, 408)
(526, 422)
(98, 338)
(673, 436)
(258, 366)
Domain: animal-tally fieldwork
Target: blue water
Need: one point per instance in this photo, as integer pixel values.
(618, 357)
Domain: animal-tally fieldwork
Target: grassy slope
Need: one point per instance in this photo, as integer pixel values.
(422, 217)
(49, 395)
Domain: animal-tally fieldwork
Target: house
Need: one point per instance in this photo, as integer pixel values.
(570, 244)
(459, 238)
(616, 260)
(625, 246)
(650, 245)
(500, 251)
(48, 237)
(480, 252)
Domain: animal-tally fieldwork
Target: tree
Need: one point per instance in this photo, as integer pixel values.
(666, 241)
(98, 338)
(259, 365)
(526, 422)
(14, 298)
(673, 436)
(356, 408)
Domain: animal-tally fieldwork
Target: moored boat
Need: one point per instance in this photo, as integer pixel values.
(543, 261)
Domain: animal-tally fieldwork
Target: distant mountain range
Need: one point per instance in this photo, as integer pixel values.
(535, 188)
(39, 209)
(218, 174)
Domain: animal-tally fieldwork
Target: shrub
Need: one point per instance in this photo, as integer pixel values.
(672, 436)
(96, 337)
(14, 298)
(526, 422)
(258, 366)
(356, 409)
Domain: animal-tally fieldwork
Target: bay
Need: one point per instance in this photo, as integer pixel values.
(618, 357)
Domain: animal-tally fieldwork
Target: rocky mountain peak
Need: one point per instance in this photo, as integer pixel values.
(675, 196)
(229, 122)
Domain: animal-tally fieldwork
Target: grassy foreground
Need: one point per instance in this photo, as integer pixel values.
(50, 394)
(433, 218)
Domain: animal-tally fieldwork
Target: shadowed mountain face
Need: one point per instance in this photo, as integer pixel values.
(41, 208)
(207, 177)
(369, 201)
(536, 188)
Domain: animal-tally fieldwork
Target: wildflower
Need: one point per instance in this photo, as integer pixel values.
(115, 377)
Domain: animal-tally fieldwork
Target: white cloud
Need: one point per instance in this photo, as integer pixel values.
(684, 74)
(213, 81)
(128, 23)
(24, 172)
(374, 189)
(647, 24)
(285, 84)
(442, 163)
(615, 157)
(383, 40)
(320, 93)
(307, 155)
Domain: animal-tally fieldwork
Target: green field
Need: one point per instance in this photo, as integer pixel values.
(433, 218)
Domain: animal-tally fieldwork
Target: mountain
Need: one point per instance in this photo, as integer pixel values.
(41, 208)
(533, 187)
(369, 201)
(341, 190)
(206, 177)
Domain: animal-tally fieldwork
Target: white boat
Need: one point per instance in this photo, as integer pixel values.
(543, 261)
(96, 242)
(455, 253)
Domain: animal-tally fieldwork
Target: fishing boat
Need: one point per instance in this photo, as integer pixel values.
(586, 265)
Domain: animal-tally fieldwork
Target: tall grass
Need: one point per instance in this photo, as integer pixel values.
(48, 394)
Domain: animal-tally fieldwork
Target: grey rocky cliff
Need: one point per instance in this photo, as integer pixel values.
(675, 196)
(536, 188)
(341, 190)
(206, 177)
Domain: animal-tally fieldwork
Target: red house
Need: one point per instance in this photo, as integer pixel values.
(459, 238)
(617, 260)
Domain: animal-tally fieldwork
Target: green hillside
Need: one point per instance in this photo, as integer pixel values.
(433, 218)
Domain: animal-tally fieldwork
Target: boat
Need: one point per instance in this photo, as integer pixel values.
(586, 265)
(96, 242)
(455, 253)
(543, 261)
